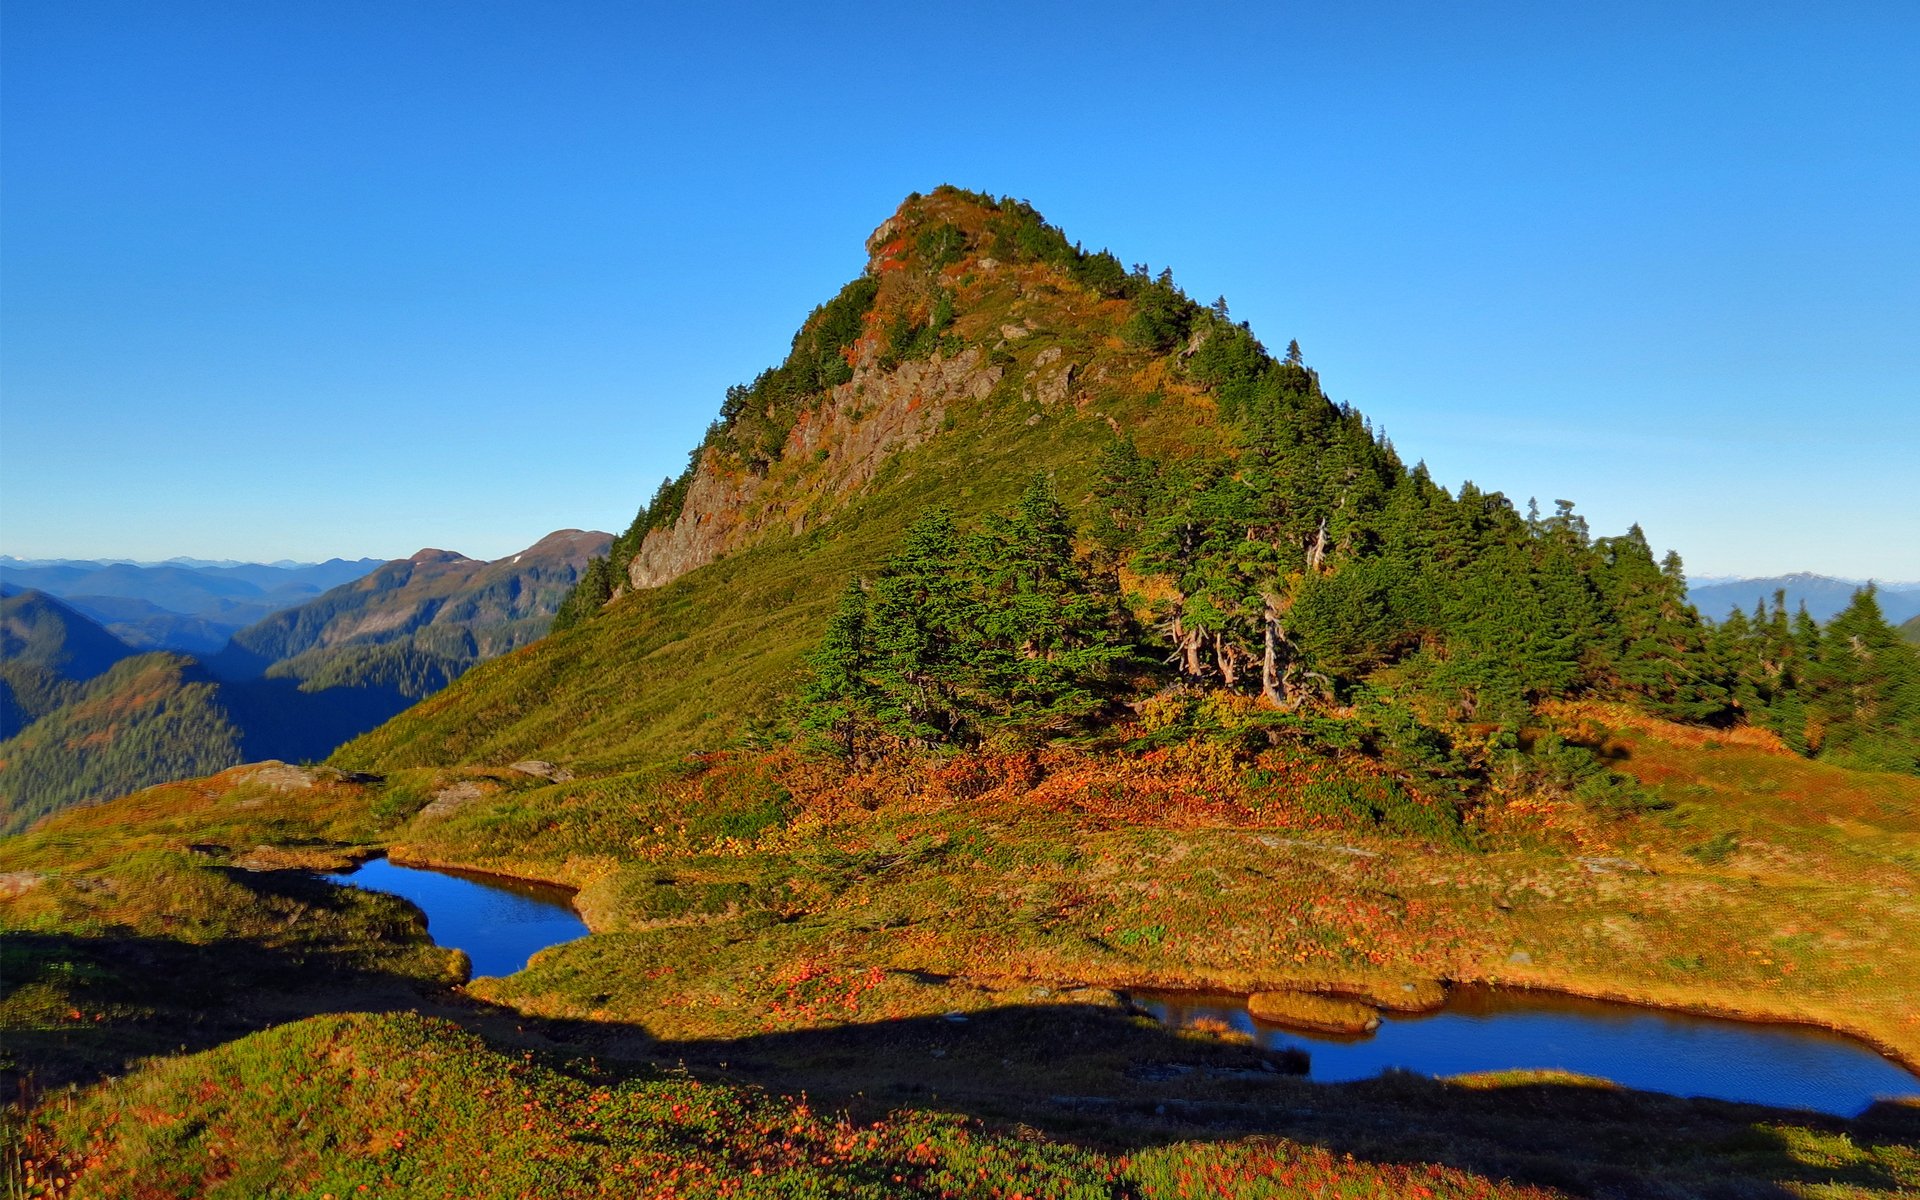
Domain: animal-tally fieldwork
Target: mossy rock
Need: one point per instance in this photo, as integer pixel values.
(1314, 1012)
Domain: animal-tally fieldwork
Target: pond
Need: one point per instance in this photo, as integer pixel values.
(1486, 1029)
(500, 923)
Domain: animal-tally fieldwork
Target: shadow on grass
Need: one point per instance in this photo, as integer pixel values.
(1098, 1075)
(1093, 1073)
(77, 1008)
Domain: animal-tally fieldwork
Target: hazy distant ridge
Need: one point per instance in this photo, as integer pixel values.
(1823, 595)
(188, 605)
(88, 718)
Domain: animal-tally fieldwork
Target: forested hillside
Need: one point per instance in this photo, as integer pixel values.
(46, 649)
(1238, 531)
(416, 624)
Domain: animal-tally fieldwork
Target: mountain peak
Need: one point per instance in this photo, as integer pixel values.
(430, 555)
(967, 304)
(924, 229)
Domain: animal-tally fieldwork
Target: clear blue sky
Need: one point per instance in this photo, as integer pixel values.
(313, 279)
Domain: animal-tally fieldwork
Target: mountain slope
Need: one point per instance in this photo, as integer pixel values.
(45, 648)
(151, 718)
(727, 577)
(1279, 548)
(38, 629)
(416, 623)
(292, 688)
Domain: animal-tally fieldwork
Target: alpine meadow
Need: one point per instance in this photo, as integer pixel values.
(1033, 646)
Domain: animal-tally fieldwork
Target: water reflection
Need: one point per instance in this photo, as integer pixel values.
(1484, 1029)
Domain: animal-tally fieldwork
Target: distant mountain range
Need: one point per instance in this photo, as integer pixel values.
(86, 716)
(189, 605)
(1823, 595)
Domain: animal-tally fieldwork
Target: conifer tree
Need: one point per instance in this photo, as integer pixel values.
(839, 697)
(915, 616)
(1866, 689)
(1051, 640)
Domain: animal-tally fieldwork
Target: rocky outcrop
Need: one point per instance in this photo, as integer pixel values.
(541, 769)
(839, 445)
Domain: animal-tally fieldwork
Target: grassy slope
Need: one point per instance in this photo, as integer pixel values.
(823, 952)
(1775, 888)
(674, 669)
(184, 916)
(403, 1106)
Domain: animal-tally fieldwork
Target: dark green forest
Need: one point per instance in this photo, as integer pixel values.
(1313, 568)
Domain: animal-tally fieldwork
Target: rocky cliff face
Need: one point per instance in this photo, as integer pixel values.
(844, 441)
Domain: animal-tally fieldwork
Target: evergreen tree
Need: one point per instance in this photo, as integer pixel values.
(1865, 688)
(1051, 639)
(916, 616)
(1657, 653)
(839, 696)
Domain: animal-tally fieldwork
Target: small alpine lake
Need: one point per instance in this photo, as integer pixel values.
(501, 923)
(1656, 1050)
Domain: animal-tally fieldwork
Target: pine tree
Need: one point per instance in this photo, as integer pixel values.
(915, 618)
(1051, 639)
(1657, 652)
(839, 697)
(1865, 702)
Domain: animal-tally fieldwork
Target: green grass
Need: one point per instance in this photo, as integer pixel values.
(926, 945)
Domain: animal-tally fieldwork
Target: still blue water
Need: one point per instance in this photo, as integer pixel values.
(500, 923)
(1486, 1030)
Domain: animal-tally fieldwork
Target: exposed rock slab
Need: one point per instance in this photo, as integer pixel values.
(541, 769)
(843, 442)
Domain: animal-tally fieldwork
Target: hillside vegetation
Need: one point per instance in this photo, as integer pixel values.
(1029, 635)
(416, 624)
(1269, 543)
(46, 649)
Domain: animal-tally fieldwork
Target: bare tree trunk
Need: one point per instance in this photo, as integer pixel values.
(1223, 654)
(1271, 685)
(1318, 553)
(1186, 646)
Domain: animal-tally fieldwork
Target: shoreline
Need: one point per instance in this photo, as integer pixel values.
(1906, 1058)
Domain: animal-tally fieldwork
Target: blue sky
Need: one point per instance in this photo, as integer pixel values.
(304, 280)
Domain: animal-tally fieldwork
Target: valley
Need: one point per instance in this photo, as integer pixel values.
(87, 717)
